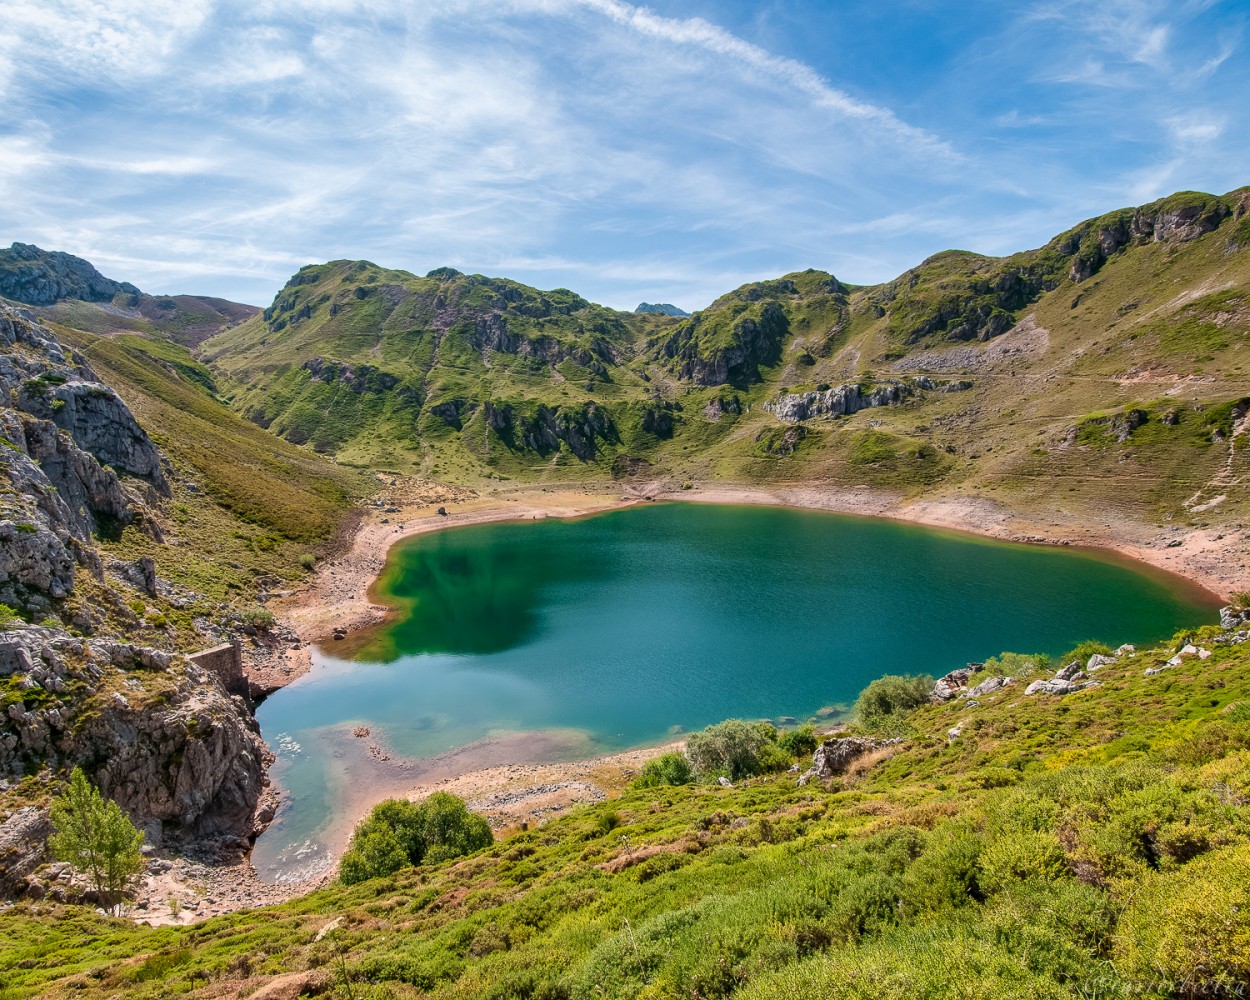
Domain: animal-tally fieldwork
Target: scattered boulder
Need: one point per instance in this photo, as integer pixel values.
(1067, 680)
(23, 848)
(1098, 661)
(949, 686)
(1188, 652)
(833, 757)
(988, 687)
(1231, 617)
(1069, 672)
(1053, 686)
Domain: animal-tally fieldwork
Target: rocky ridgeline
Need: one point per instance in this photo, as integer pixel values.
(844, 400)
(155, 732)
(1172, 220)
(42, 277)
(64, 439)
(754, 342)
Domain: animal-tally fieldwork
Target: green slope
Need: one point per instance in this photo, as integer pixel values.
(247, 506)
(469, 378)
(1057, 847)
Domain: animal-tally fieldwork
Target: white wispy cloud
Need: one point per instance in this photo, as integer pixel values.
(589, 143)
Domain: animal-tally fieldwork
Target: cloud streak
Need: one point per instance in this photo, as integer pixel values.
(616, 148)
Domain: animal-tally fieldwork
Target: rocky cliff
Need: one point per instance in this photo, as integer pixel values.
(843, 400)
(41, 277)
(65, 437)
(154, 731)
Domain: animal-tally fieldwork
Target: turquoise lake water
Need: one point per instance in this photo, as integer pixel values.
(620, 629)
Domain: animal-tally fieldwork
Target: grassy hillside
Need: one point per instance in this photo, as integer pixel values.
(1097, 843)
(247, 508)
(465, 378)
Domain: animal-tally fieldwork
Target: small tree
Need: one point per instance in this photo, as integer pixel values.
(730, 748)
(97, 839)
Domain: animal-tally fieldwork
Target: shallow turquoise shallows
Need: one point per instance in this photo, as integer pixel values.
(634, 624)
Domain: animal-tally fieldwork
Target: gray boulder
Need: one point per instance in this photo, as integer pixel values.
(951, 684)
(988, 687)
(833, 757)
(23, 848)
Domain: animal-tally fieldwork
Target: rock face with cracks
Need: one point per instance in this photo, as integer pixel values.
(64, 439)
(152, 730)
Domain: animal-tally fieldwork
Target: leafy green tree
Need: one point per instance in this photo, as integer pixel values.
(375, 851)
(450, 830)
(799, 742)
(97, 839)
(731, 748)
(399, 833)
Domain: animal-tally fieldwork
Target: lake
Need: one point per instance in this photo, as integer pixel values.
(623, 628)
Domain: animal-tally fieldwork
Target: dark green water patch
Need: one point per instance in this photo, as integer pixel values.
(640, 622)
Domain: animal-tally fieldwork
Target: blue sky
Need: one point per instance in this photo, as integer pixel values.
(663, 153)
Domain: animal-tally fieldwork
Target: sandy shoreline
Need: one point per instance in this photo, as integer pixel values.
(1211, 562)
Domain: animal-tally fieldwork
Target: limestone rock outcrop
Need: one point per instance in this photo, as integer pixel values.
(1177, 219)
(753, 341)
(23, 848)
(153, 730)
(834, 756)
(64, 438)
(42, 277)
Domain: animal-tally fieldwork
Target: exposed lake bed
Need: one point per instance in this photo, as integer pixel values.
(617, 630)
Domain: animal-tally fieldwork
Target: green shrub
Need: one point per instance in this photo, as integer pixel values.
(1191, 927)
(308, 561)
(398, 833)
(892, 695)
(1082, 651)
(773, 758)
(798, 742)
(375, 851)
(667, 769)
(1020, 857)
(946, 876)
(730, 748)
(9, 618)
(259, 618)
(1015, 664)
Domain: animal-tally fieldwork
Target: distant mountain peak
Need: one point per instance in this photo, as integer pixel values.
(43, 277)
(663, 308)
